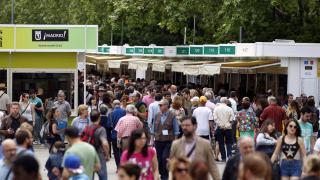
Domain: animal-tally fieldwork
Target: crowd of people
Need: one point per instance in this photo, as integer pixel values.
(157, 130)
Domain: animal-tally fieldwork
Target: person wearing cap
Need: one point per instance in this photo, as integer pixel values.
(74, 168)
(223, 116)
(101, 91)
(204, 118)
(115, 116)
(164, 130)
(4, 100)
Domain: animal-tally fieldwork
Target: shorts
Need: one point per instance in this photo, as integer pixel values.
(290, 168)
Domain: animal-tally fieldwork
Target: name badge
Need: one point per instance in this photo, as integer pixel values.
(165, 132)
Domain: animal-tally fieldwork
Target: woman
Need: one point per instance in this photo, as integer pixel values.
(262, 103)
(293, 111)
(195, 103)
(129, 172)
(139, 153)
(54, 135)
(92, 104)
(179, 169)
(27, 109)
(266, 141)
(177, 108)
(124, 101)
(291, 148)
(246, 119)
(199, 171)
(82, 120)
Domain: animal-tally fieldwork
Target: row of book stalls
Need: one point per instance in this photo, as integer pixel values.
(248, 75)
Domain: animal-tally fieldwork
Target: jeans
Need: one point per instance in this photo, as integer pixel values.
(163, 152)
(102, 173)
(224, 136)
(290, 168)
(116, 152)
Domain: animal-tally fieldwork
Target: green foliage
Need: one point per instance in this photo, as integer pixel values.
(162, 22)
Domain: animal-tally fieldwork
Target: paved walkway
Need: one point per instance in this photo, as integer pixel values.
(42, 155)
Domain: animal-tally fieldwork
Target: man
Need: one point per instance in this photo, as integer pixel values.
(126, 125)
(63, 106)
(24, 142)
(209, 104)
(173, 91)
(4, 99)
(101, 144)
(164, 130)
(194, 148)
(85, 151)
(223, 116)
(141, 109)
(65, 111)
(150, 98)
(101, 91)
(26, 167)
(154, 109)
(221, 93)
(186, 101)
(275, 112)
(115, 116)
(204, 119)
(233, 100)
(246, 146)
(12, 122)
(38, 106)
(306, 127)
(9, 150)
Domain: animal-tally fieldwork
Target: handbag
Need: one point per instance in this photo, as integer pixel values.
(276, 175)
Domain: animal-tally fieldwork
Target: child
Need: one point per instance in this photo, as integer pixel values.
(54, 162)
(72, 164)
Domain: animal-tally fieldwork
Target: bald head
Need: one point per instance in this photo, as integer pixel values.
(246, 145)
(9, 149)
(173, 89)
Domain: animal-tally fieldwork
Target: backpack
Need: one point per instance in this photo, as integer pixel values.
(45, 132)
(88, 135)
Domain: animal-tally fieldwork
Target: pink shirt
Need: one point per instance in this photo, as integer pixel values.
(148, 100)
(144, 162)
(127, 124)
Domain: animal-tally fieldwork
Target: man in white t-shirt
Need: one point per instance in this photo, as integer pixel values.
(204, 118)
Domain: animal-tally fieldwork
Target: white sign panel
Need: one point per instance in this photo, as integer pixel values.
(245, 49)
(308, 68)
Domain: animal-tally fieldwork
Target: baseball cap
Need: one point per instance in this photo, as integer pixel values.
(73, 163)
(203, 99)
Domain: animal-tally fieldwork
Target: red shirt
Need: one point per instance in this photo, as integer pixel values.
(275, 113)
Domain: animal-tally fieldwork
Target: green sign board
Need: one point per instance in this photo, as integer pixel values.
(211, 50)
(158, 51)
(138, 50)
(51, 38)
(129, 50)
(196, 50)
(148, 51)
(227, 50)
(103, 49)
(182, 50)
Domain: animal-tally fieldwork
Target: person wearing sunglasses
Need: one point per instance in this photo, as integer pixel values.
(179, 169)
(291, 149)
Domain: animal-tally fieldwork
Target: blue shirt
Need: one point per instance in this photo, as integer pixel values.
(306, 133)
(37, 103)
(152, 111)
(115, 116)
(163, 118)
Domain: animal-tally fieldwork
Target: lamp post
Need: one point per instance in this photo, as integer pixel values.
(12, 11)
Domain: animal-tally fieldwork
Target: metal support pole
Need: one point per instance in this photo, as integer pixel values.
(12, 11)
(194, 28)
